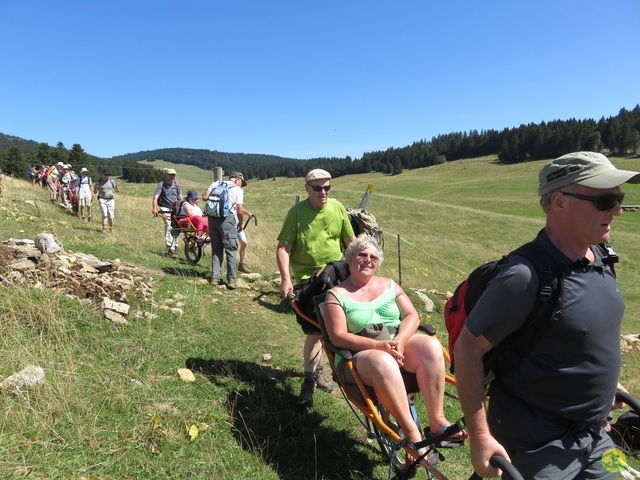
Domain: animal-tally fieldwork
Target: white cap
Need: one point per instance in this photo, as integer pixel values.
(317, 174)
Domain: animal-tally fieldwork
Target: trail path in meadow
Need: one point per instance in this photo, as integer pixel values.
(626, 233)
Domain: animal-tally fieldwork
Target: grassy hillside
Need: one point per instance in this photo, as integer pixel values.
(113, 406)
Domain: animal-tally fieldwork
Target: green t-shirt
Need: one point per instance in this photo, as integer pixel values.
(383, 309)
(315, 236)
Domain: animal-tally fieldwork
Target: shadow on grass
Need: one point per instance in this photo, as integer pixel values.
(266, 421)
(186, 271)
(272, 301)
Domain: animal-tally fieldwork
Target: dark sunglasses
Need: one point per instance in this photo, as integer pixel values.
(317, 188)
(604, 203)
(364, 256)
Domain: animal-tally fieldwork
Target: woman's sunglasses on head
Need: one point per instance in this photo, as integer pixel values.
(604, 203)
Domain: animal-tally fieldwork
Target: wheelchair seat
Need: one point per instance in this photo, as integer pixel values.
(353, 390)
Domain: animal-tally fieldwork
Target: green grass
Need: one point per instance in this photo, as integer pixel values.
(113, 406)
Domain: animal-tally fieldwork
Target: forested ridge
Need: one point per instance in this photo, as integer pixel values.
(619, 135)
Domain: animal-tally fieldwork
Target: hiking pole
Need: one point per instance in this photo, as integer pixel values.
(248, 220)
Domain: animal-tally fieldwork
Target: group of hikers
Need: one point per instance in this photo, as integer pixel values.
(77, 192)
(226, 233)
(547, 414)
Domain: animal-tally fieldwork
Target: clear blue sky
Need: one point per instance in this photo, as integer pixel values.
(306, 78)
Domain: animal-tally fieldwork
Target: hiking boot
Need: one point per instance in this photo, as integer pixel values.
(322, 381)
(89, 218)
(243, 268)
(231, 286)
(305, 399)
(215, 281)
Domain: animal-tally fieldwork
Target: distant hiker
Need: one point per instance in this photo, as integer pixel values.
(164, 198)
(33, 174)
(311, 236)
(224, 207)
(85, 193)
(52, 180)
(242, 236)
(105, 188)
(546, 406)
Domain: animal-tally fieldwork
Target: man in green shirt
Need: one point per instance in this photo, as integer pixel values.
(312, 236)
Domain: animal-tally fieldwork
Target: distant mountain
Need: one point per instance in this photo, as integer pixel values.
(204, 158)
(25, 146)
(619, 135)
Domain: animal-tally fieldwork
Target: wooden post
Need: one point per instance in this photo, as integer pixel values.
(399, 263)
(218, 173)
(366, 197)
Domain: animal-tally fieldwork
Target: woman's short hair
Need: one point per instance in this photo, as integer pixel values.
(362, 242)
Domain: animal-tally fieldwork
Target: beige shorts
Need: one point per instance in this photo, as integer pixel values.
(107, 207)
(85, 200)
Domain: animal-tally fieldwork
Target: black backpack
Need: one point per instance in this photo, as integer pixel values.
(175, 212)
(322, 280)
(625, 433)
(543, 312)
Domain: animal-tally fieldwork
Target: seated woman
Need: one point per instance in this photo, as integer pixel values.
(363, 300)
(193, 214)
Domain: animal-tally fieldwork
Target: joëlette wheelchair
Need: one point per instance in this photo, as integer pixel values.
(380, 425)
(193, 244)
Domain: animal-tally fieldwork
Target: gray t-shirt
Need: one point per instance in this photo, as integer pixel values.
(106, 188)
(168, 193)
(572, 369)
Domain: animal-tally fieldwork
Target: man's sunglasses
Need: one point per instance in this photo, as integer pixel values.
(604, 203)
(317, 188)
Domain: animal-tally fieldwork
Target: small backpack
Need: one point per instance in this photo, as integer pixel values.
(625, 433)
(550, 280)
(364, 222)
(322, 280)
(175, 213)
(218, 202)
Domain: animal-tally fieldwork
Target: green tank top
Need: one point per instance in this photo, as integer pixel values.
(383, 309)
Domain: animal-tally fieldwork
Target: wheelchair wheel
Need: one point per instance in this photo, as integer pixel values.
(192, 250)
(388, 445)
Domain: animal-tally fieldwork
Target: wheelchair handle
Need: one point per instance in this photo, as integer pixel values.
(629, 399)
(509, 472)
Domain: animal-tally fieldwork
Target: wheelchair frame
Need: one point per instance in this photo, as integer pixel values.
(379, 424)
(193, 244)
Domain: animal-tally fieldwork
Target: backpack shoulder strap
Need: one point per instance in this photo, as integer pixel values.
(548, 270)
(341, 270)
(544, 311)
(609, 256)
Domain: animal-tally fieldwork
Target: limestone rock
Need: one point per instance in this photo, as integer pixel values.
(186, 375)
(46, 243)
(29, 376)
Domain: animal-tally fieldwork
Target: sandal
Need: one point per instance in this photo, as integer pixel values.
(422, 452)
(450, 436)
